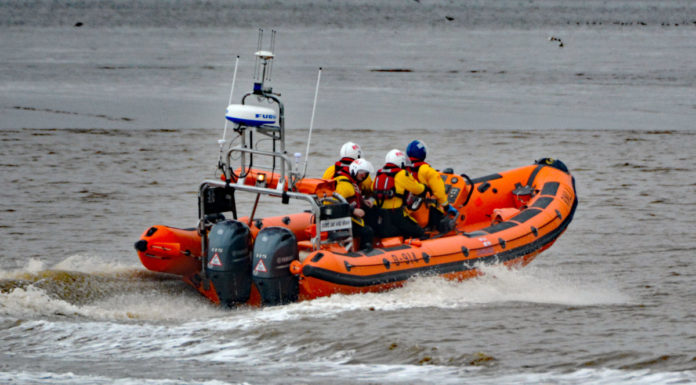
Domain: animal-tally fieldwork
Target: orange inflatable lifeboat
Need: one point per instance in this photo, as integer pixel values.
(503, 218)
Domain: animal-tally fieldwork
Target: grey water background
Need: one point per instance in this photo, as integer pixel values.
(107, 128)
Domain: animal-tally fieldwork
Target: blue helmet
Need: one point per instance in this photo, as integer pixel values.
(416, 149)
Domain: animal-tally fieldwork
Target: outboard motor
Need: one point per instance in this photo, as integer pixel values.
(228, 261)
(274, 249)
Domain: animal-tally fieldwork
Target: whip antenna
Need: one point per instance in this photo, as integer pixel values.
(311, 123)
(258, 48)
(270, 67)
(229, 101)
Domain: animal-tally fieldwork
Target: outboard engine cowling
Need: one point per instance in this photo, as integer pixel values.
(228, 261)
(274, 249)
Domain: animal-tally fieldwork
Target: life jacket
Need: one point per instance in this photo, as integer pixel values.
(384, 186)
(413, 202)
(342, 164)
(356, 200)
(415, 167)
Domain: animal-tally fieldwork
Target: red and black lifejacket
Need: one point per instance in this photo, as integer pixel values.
(357, 200)
(342, 164)
(384, 185)
(415, 167)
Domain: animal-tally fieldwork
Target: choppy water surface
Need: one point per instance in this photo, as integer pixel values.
(108, 129)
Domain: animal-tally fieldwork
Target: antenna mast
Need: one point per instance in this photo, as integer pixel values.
(311, 123)
(229, 101)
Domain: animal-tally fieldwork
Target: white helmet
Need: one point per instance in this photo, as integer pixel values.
(350, 150)
(359, 165)
(398, 158)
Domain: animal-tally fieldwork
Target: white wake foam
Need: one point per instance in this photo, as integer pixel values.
(70, 378)
(395, 374)
(499, 284)
(78, 263)
(138, 300)
(545, 285)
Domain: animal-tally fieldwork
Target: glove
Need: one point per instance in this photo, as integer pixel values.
(451, 210)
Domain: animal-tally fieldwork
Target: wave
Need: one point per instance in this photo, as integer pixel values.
(498, 285)
(389, 374)
(69, 378)
(87, 287)
(83, 286)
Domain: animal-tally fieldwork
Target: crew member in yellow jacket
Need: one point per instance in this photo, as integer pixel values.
(348, 186)
(349, 152)
(391, 187)
(424, 173)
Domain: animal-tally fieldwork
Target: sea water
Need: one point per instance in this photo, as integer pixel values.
(110, 112)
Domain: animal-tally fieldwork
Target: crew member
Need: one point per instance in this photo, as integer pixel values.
(424, 173)
(348, 185)
(392, 183)
(349, 152)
